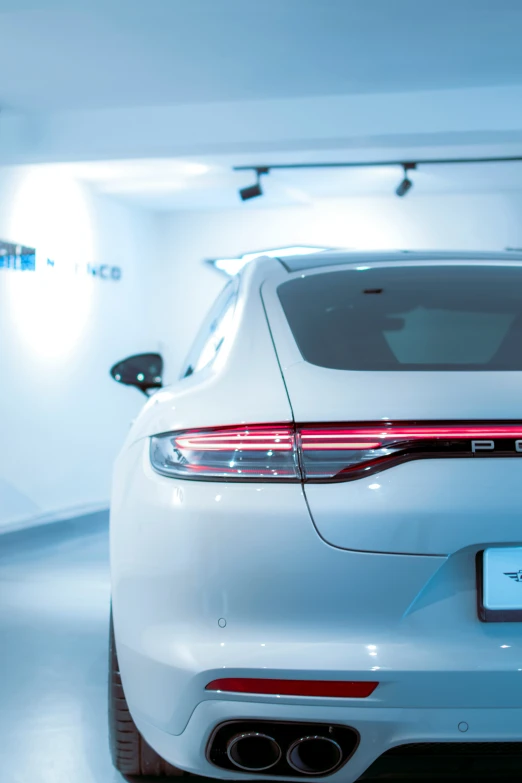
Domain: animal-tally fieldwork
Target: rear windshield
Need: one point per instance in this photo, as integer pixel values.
(408, 318)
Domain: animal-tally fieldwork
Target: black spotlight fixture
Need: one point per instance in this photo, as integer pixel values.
(406, 183)
(253, 191)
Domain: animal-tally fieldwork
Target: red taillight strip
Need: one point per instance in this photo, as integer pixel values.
(309, 444)
(324, 452)
(322, 439)
(322, 688)
(248, 438)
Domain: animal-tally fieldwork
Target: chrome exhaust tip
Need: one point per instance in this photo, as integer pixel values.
(253, 752)
(314, 755)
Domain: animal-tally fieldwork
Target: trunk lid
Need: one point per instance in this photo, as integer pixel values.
(428, 506)
(427, 344)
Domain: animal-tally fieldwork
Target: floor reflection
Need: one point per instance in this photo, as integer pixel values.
(54, 600)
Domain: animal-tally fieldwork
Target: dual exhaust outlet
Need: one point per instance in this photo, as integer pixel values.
(310, 755)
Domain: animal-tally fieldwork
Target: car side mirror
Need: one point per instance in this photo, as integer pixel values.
(144, 371)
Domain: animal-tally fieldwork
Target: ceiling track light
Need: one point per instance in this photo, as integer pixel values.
(401, 190)
(253, 191)
(406, 183)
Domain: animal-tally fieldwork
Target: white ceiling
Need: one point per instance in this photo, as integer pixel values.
(72, 54)
(154, 102)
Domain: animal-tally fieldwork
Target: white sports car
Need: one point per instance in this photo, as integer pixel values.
(316, 534)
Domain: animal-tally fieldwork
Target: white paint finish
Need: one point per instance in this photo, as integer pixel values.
(227, 390)
(321, 394)
(62, 415)
(295, 608)
(249, 579)
(128, 54)
(431, 507)
(287, 597)
(303, 127)
(379, 728)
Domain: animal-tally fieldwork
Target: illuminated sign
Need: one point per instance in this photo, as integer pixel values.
(17, 257)
(21, 258)
(103, 271)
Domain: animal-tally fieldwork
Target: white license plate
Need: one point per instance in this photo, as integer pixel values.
(502, 579)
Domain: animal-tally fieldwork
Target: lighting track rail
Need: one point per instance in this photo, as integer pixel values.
(407, 165)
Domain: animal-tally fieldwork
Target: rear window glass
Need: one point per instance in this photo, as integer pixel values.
(408, 318)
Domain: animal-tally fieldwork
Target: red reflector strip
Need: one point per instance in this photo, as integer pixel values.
(324, 688)
(254, 438)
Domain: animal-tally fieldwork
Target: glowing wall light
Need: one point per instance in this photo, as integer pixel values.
(50, 307)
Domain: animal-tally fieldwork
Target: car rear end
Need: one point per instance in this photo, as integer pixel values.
(336, 580)
(405, 383)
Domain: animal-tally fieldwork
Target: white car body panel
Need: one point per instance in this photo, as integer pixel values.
(379, 728)
(306, 620)
(415, 509)
(227, 391)
(321, 394)
(338, 581)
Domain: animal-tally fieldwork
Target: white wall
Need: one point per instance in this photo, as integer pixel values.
(462, 221)
(62, 417)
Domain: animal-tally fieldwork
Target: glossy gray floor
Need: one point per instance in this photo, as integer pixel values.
(54, 603)
(54, 607)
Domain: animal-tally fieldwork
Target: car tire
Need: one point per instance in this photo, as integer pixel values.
(131, 755)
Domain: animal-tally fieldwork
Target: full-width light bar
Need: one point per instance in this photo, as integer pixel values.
(368, 437)
(324, 452)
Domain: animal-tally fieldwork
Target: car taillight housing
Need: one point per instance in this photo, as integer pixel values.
(323, 452)
(239, 453)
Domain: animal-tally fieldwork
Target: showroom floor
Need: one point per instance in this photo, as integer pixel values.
(54, 600)
(54, 603)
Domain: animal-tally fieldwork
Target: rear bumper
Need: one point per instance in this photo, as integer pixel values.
(177, 716)
(380, 730)
(215, 580)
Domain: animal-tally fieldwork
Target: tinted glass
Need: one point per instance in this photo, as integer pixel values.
(408, 318)
(214, 330)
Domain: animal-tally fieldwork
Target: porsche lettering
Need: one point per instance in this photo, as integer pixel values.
(489, 445)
